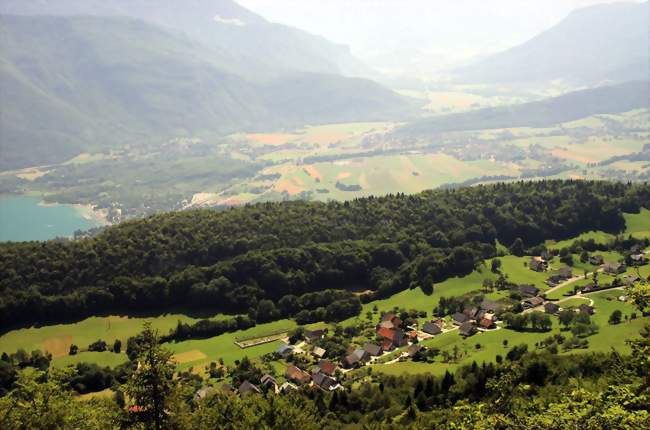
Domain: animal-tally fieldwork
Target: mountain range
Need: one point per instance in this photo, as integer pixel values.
(83, 83)
(604, 43)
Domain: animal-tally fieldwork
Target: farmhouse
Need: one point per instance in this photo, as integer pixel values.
(486, 323)
(390, 320)
(459, 318)
(269, 382)
(396, 336)
(285, 350)
(546, 256)
(431, 328)
(246, 388)
(318, 352)
(491, 306)
(373, 350)
(312, 335)
(565, 273)
(327, 367)
(203, 393)
(614, 268)
(467, 329)
(413, 349)
(532, 302)
(630, 279)
(528, 290)
(639, 259)
(551, 308)
(324, 382)
(297, 375)
(362, 355)
(287, 387)
(586, 309)
(350, 361)
(537, 264)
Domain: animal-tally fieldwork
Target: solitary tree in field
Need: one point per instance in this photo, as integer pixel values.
(152, 384)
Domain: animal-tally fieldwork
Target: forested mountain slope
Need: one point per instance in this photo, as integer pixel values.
(81, 84)
(261, 48)
(568, 107)
(231, 259)
(606, 42)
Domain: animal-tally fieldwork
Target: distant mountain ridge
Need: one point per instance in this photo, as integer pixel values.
(593, 45)
(78, 84)
(263, 48)
(544, 113)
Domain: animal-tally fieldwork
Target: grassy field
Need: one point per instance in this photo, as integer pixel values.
(638, 225)
(597, 236)
(58, 338)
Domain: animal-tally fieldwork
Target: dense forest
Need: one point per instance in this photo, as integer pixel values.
(269, 259)
(523, 390)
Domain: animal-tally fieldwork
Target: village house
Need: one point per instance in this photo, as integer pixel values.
(324, 382)
(467, 329)
(313, 335)
(528, 290)
(588, 288)
(639, 259)
(596, 260)
(471, 312)
(203, 393)
(246, 388)
(327, 367)
(396, 336)
(459, 318)
(287, 387)
(486, 323)
(586, 309)
(491, 306)
(413, 349)
(537, 264)
(318, 352)
(362, 355)
(284, 350)
(390, 321)
(553, 281)
(431, 328)
(350, 361)
(551, 308)
(269, 383)
(614, 268)
(546, 256)
(565, 273)
(297, 375)
(373, 350)
(532, 302)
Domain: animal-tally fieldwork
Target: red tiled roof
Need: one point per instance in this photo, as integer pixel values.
(386, 333)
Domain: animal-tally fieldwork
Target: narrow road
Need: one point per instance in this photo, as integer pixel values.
(572, 280)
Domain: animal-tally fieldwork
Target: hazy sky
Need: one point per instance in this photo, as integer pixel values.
(451, 28)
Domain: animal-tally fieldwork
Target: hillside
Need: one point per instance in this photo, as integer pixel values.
(262, 48)
(80, 84)
(602, 43)
(235, 258)
(568, 107)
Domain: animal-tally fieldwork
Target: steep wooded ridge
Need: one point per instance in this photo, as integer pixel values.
(607, 42)
(80, 84)
(545, 113)
(230, 260)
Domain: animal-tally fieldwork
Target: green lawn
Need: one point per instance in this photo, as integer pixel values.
(104, 359)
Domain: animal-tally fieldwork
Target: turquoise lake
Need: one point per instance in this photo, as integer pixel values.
(25, 218)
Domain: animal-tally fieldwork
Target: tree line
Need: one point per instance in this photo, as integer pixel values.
(232, 260)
